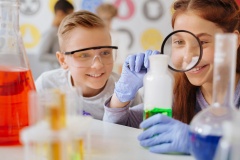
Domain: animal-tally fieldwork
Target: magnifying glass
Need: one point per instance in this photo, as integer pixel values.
(184, 50)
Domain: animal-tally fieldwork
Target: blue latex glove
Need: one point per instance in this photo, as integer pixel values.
(164, 135)
(133, 71)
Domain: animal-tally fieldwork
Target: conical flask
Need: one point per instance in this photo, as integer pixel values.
(206, 128)
(15, 75)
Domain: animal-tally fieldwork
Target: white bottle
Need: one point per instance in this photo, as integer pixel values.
(158, 90)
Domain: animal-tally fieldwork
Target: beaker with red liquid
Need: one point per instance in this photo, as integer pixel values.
(15, 75)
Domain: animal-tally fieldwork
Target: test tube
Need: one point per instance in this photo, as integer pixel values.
(62, 107)
(57, 120)
(81, 148)
(56, 114)
(78, 149)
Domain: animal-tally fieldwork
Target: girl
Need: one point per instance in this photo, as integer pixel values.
(193, 89)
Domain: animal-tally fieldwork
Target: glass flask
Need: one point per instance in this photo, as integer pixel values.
(158, 87)
(15, 75)
(229, 144)
(206, 127)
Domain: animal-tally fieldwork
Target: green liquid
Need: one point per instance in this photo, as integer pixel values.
(165, 111)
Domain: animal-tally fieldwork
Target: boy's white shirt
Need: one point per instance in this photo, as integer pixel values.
(93, 105)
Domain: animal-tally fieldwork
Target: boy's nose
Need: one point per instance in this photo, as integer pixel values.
(97, 62)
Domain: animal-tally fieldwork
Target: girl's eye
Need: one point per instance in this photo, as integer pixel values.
(203, 42)
(179, 42)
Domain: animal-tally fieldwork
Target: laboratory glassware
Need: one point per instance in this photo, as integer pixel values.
(58, 130)
(15, 75)
(206, 127)
(229, 144)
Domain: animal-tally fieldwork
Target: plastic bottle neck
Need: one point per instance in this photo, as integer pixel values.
(159, 63)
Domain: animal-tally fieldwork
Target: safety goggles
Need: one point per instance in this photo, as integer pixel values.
(85, 57)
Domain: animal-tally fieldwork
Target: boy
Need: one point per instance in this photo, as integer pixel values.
(86, 60)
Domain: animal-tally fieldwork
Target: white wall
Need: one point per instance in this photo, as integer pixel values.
(148, 21)
(143, 23)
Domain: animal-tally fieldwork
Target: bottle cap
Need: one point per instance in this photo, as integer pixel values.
(159, 62)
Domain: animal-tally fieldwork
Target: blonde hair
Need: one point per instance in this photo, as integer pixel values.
(107, 8)
(78, 19)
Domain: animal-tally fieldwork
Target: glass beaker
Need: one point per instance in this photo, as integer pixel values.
(206, 127)
(15, 75)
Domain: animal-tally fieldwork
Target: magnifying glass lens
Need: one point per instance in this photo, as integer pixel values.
(184, 49)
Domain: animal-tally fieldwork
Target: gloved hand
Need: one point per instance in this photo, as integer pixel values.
(164, 134)
(133, 71)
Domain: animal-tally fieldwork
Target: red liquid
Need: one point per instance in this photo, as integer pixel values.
(14, 86)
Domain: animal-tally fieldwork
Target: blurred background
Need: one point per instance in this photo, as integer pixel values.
(142, 24)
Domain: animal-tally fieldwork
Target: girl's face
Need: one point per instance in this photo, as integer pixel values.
(91, 79)
(205, 31)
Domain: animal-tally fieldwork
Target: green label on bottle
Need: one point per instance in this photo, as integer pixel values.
(165, 111)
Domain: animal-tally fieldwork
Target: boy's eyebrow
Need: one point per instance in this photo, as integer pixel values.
(90, 48)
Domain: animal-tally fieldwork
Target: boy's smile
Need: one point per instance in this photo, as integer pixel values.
(95, 75)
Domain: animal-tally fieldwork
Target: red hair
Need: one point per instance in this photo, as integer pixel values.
(225, 14)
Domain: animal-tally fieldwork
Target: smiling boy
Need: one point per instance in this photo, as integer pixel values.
(86, 60)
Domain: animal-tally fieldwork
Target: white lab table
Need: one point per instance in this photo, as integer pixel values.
(108, 142)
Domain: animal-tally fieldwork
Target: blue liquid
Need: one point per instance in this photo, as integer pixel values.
(203, 147)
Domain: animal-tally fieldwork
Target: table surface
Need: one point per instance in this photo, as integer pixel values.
(108, 142)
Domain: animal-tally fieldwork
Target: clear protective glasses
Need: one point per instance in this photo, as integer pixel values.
(84, 58)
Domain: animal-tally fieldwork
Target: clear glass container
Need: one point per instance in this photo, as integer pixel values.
(15, 75)
(58, 130)
(229, 144)
(206, 127)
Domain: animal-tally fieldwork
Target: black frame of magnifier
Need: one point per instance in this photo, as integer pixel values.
(199, 42)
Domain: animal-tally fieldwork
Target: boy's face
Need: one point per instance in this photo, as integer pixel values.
(91, 79)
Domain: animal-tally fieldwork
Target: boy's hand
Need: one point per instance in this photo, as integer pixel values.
(131, 80)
